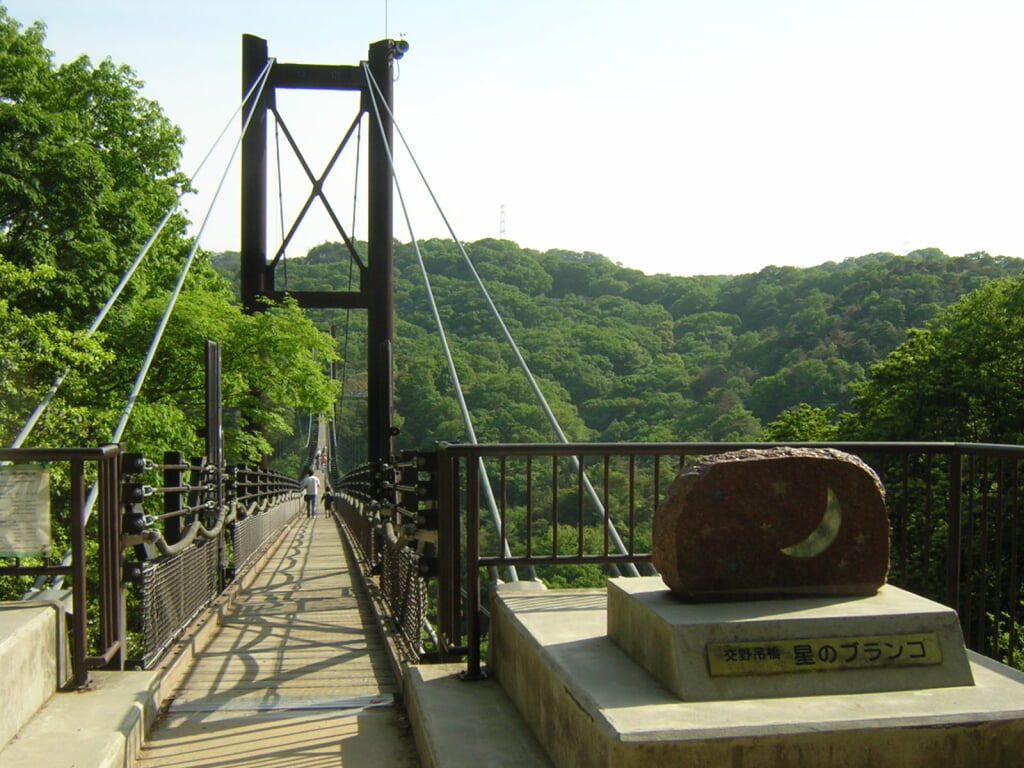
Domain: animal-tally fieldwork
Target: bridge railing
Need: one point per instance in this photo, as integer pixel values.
(32, 545)
(391, 518)
(161, 543)
(210, 527)
(954, 508)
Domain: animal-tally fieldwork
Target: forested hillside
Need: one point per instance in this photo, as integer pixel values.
(624, 356)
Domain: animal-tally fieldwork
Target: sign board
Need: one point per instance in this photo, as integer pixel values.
(826, 654)
(24, 511)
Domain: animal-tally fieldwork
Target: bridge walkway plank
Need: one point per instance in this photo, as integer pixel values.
(296, 676)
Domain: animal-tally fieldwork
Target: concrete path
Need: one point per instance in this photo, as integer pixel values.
(297, 676)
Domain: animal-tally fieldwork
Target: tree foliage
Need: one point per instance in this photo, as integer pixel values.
(88, 169)
(958, 378)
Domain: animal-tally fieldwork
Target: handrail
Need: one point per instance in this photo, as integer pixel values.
(221, 496)
(426, 506)
(931, 503)
(107, 457)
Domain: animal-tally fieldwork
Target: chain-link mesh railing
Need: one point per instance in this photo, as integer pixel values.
(174, 589)
(405, 591)
(210, 528)
(253, 533)
(393, 565)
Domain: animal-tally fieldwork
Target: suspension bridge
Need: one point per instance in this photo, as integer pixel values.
(260, 635)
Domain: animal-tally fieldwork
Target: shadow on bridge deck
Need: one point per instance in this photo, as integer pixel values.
(296, 675)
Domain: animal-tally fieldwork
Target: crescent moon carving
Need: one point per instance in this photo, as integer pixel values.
(821, 538)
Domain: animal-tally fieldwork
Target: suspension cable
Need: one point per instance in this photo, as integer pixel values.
(130, 272)
(452, 372)
(90, 502)
(351, 272)
(524, 367)
(309, 431)
(280, 194)
(172, 301)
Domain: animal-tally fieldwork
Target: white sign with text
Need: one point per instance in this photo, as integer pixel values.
(24, 511)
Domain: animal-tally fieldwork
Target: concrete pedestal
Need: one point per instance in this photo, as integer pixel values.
(890, 641)
(589, 704)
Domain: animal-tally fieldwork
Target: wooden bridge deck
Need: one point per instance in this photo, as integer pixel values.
(297, 675)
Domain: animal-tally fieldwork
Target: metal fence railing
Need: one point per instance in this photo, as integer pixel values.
(451, 521)
(59, 477)
(164, 541)
(955, 517)
(397, 568)
(172, 592)
(212, 525)
(259, 524)
(390, 513)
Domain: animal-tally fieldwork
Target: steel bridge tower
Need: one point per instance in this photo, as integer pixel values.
(375, 292)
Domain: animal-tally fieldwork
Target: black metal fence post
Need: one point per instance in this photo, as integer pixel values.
(955, 519)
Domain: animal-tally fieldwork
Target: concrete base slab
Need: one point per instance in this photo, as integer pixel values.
(893, 640)
(459, 724)
(100, 726)
(34, 661)
(590, 705)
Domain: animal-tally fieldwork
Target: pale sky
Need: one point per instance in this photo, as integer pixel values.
(678, 136)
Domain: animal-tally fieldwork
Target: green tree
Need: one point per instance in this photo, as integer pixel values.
(956, 379)
(88, 168)
(652, 357)
(804, 423)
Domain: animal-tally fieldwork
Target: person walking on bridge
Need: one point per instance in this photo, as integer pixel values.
(310, 486)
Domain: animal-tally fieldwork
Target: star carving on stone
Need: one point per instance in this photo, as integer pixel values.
(780, 488)
(861, 539)
(707, 532)
(766, 528)
(842, 565)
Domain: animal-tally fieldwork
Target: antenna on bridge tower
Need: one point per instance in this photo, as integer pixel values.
(501, 223)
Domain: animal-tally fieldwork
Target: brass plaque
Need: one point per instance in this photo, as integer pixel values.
(826, 654)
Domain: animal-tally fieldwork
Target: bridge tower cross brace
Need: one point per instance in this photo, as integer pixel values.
(376, 275)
